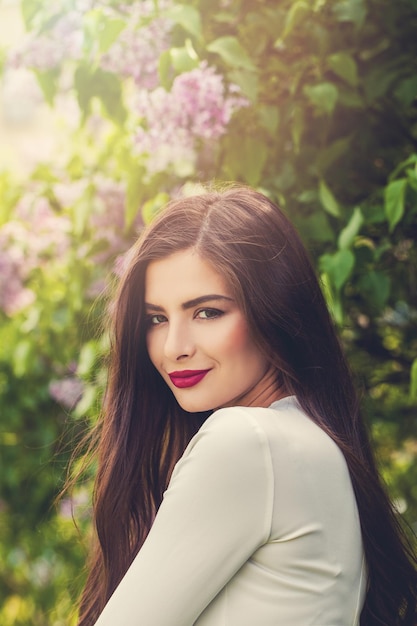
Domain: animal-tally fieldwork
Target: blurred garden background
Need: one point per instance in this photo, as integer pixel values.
(107, 110)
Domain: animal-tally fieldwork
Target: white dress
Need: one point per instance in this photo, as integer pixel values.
(258, 527)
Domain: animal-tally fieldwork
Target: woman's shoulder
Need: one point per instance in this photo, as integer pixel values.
(282, 428)
(244, 428)
(253, 418)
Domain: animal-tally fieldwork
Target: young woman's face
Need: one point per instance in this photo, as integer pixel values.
(198, 338)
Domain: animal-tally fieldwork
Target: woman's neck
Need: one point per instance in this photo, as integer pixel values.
(266, 391)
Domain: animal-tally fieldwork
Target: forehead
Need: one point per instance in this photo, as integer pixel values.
(182, 276)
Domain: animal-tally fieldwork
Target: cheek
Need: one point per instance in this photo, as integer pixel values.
(237, 339)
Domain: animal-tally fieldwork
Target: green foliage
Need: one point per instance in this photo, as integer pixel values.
(328, 130)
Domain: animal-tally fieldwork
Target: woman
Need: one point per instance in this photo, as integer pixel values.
(222, 346)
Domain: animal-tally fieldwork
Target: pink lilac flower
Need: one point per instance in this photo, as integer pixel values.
(67, 391)
(77, 505)
(136, 52)
(46, 232)
(14, 296)
(26, 242)
(108, 217)
(44, 52)
(197, 109)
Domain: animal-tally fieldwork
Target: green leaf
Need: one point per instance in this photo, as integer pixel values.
(404, 165)
(103, 85)
(297, 127)
(165, 69)
(344, 66)
(152, 207)
(350, 231)
(413, 381)
(48, 82)
(297, 13)
(328, 201)
(134, 193)
(329, 155)
(350, 11)
(21, 357)
(83, 86)
(108, 30)
(254, 158)
(183, 59)
(395, 201)
(245, 159)
(350, 98)
(337, 266)
(9, 195)
(81, 211)
(406, 91)
(231, 51)
(188, 17)
(316, 227)
(31, 9)
(323, 97)
(379, 81)
(247, 81)
(88, 401)
(375, 288)
(269, 117)
(87, 358)
(332, 298)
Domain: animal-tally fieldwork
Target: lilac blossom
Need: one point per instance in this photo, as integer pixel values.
(107, 213)
(44, 52)
(77, 505)
(108, 217)
(14, 296)
(67, 391)
(197, 109)
(136, 52)
(46, 232)
(26, 242)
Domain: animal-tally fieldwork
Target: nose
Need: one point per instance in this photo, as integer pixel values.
(179, 342)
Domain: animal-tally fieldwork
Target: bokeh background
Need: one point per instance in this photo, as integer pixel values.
(107, 110)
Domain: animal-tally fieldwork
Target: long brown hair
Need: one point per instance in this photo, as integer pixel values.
(143, 431)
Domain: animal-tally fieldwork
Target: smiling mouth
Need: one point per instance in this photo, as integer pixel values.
(187, 378)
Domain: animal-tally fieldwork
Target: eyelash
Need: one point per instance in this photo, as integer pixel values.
(150, 318)
(211, 314)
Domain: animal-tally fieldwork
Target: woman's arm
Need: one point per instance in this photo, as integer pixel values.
(215, 514)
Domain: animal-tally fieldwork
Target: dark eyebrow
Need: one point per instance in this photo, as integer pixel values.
(191, 303)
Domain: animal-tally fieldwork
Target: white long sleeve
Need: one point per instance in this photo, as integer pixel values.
(215, 514)
(258, 527)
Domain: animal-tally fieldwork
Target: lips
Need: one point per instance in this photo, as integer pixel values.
(187, 378)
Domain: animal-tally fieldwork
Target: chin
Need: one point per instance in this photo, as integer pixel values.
(190, 407)
(195, 405)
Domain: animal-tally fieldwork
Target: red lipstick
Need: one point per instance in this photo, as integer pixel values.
(187, 378)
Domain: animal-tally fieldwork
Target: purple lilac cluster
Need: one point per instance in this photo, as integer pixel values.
(66, 391)
(108, 217)
(27, 242)
(197, 109)
(136, 52)
(77, 505)
(14, 296)
(44, 52)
